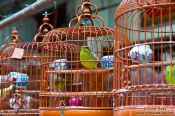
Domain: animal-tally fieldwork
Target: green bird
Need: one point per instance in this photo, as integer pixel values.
(170, 75)
(88, 58)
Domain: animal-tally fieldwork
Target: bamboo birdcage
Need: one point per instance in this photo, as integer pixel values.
(144, 58)
(80, 88)
(21, 67)
(5, 88)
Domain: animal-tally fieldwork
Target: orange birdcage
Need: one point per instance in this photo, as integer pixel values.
(78, 73)
(5, 88)
(20, 67)
(144, 65)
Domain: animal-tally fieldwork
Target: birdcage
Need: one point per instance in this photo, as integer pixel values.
(144, 53)
(20, 70)
(79, 70)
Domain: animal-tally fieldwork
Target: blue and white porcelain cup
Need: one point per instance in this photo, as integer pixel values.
(20, 79)
(107, 61)
(60, 64)
(141, 53)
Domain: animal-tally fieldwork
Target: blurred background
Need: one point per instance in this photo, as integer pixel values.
(62, 11)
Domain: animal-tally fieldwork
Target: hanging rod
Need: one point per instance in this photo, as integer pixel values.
(29, 10)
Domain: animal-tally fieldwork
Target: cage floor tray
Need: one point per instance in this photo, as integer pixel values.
(77, 113)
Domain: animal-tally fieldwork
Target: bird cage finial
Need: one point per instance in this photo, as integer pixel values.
(85, 12)
(45, 19)
(14, 37)
(14, 31)
(15, 34)
(44, 28)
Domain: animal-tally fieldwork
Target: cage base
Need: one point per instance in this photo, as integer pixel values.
(77, 113)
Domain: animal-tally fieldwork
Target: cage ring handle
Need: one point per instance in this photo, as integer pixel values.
(77, 10)
(82, 7)
(14, 38)
(89, 4)
(41, 32)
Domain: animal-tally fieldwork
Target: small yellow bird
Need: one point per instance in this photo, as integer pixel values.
(58, 86)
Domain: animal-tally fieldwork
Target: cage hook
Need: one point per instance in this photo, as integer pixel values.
(61, 105)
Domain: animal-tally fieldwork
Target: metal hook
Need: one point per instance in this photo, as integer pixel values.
(61, 105)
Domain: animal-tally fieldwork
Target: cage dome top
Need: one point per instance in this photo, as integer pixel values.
(133, 5)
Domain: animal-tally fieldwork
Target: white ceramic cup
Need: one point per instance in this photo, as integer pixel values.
(141, 53)
(60, 64)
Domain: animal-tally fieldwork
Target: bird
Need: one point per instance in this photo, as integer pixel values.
(88, 58)
(58, 86)
(170, 74)
(56, 82)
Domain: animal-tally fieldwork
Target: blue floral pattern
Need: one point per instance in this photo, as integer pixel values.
(137, 56)
(21, 79)
(108, 61)
(141, 53)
